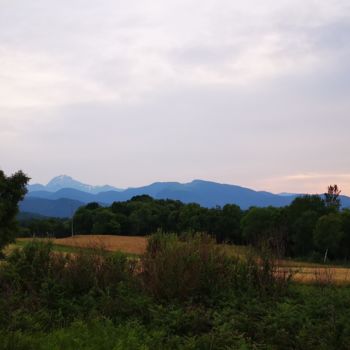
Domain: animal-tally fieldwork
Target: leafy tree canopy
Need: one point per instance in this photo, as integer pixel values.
(12, 190)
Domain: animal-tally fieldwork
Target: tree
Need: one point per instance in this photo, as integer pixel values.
(92, 206)
(303, 214)
(191, 217)
(302, 233)
(83, 220)
(228, 227)
(262, 225)
(328, 234)
(332, 197)
(105, 222)
(12, 190)
(306, 203)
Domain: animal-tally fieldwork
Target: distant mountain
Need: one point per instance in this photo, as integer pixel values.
(70, 193)
(345, 201)
(62, 208)
(64, 181)
(206, 193)
(287, 194)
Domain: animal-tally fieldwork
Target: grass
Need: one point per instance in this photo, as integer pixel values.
(303, 272)
(56, 247)
(125, 244)
(188, 294)
(131, 246)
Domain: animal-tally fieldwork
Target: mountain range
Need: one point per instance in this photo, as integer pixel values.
(63, 195)
(64, 181)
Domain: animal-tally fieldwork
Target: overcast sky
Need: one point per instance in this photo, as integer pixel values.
(254, 93)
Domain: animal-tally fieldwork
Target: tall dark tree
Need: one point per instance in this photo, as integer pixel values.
(12, 190)
(332, 197)
(306, 203)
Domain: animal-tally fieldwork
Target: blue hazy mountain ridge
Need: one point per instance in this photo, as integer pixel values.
(64, 181)
(68, 193)
(62, 208)
(206, 193)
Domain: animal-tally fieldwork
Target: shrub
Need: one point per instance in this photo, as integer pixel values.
(56, 287)
(28, 267)
(194, 268)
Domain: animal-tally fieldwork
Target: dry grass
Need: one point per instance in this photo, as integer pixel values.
(325, 275)
(302, 272)
(125, 244)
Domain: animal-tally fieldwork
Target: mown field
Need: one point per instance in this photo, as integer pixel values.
(303, 272)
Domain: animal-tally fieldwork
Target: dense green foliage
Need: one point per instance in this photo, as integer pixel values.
(44, 227)
(143, 215)
(12, 190)
(182, 294)
(309, 227)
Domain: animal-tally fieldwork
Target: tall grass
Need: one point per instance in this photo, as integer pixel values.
(195, 268)
(191, 268)
(183, 293)
(29, 268)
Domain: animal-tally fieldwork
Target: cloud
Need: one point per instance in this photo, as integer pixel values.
(54, 49)
(306, 183)
(231, 91)
(303, 177)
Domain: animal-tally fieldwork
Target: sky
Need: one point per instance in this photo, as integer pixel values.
(254, 93)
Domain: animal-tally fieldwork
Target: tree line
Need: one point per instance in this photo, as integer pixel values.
(311, 226)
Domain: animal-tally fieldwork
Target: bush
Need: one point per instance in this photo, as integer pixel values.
(55, 288)
(76, 273)
(27, 268)
(191, 296)
(194, 268)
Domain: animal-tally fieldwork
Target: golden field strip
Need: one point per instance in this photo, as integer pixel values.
(125, 244)
(303, 272)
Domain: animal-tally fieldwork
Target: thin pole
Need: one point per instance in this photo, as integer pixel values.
(72, 221)
(72, 226)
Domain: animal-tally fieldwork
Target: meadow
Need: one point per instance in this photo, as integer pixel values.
(165, 292)
(301, 271)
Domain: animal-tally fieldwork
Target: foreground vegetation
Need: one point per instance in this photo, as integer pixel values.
(302, 271)
(181, 294)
